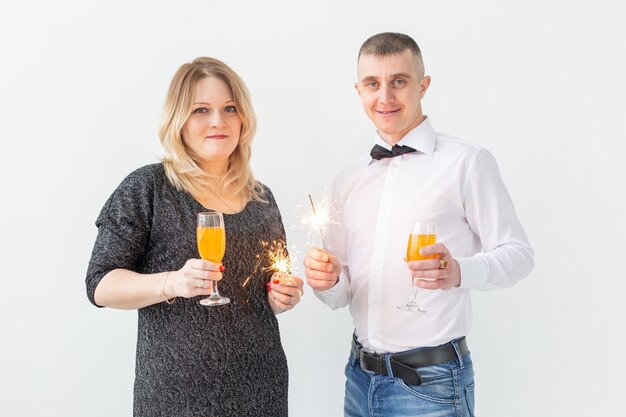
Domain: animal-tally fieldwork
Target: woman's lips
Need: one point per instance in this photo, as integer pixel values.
(217, 137)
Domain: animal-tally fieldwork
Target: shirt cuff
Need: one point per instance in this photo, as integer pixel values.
(474, 272)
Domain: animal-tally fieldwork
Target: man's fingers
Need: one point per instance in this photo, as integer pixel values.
(314, 264)
(320, 285)
(312, 274)
(437, 248)
(424, 264)
(430, 273)
(318, 255)
(431, 285)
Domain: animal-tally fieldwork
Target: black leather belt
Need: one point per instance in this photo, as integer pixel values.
(403, 363)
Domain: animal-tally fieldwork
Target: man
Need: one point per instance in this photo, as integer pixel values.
(413, 363)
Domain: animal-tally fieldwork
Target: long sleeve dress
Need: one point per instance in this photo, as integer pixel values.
(194, 360)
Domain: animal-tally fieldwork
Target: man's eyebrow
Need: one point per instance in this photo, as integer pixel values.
(398, 75)
(401, 75)
(369, 78)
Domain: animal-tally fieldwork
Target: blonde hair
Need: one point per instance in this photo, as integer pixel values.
(182, 170)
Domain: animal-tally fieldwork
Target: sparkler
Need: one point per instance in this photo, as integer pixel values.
(320, 220)
(281, 261)
(256, 266)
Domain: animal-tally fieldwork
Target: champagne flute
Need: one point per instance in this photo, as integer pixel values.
(422, 234)
(211, 238)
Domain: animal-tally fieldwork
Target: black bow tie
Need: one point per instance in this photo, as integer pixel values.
(378, 152)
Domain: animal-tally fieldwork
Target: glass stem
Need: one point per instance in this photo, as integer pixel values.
(413, 299)
(214, 292)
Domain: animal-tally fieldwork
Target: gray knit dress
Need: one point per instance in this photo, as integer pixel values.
(192, 360)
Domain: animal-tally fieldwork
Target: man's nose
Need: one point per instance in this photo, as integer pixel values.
(386, 94)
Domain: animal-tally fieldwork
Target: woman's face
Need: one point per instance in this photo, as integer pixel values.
(212, 129)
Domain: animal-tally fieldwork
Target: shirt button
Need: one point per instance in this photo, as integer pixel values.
(375, 337)
(376, 267)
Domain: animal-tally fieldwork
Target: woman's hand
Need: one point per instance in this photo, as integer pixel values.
(284, 292)
(193, 279)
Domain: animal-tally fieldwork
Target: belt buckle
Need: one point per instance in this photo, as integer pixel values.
(368, 360)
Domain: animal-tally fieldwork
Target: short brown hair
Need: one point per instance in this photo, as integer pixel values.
(391, 43)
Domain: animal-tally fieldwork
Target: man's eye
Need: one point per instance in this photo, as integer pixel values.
(230, 109)
(372, 84)
(399, 82)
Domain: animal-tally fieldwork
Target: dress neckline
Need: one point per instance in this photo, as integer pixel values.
(199, 204)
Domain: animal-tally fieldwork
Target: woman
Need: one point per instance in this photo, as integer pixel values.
(194, 360)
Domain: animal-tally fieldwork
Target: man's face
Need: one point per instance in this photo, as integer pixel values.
(391, 91)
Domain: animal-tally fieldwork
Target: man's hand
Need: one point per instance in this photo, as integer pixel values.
(321, 269)
(430, 273)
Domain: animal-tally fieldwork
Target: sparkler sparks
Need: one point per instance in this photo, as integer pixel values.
(319, 220)
(281, 260)
(256, 267)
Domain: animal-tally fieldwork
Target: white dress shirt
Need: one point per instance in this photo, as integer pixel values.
(449, 182)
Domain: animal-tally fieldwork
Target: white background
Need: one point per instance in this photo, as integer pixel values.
(540, 83)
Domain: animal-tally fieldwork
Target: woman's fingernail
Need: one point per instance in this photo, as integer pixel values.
(276, 281)
(268, 285)
(222, 268)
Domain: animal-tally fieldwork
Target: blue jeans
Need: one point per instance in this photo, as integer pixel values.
(447, 390)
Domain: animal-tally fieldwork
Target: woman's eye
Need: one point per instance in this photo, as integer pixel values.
(230, 109)
(200, 110)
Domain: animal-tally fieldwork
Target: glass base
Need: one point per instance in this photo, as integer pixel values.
(215, 300)
(412, 308)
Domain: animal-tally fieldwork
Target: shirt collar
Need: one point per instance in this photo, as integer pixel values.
(422, 138)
